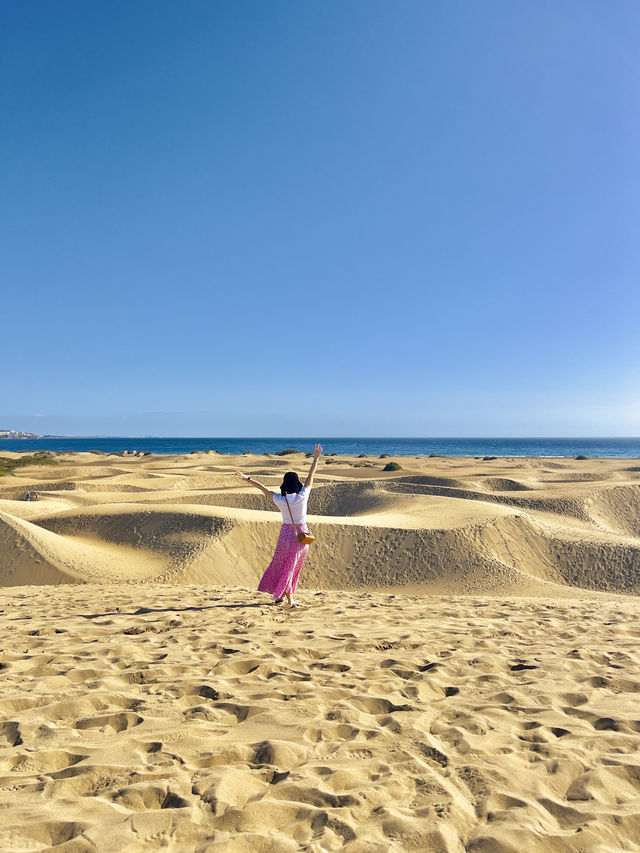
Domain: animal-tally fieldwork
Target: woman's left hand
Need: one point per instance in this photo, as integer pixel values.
(241, 475)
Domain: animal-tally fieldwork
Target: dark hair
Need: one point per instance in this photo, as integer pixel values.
(290, 484)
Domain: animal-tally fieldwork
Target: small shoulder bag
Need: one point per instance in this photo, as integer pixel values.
(303, 538)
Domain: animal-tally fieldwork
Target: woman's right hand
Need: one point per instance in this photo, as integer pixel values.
(317, 451)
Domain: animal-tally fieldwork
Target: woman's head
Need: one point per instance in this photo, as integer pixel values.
(290, 484)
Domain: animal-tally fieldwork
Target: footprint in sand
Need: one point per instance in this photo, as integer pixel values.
(117, 722)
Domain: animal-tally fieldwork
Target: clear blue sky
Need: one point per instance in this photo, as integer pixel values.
(353, 217)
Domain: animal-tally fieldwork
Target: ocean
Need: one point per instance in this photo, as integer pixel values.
(604, 447)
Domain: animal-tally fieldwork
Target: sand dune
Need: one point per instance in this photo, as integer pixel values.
(459, 524)
(462, 674)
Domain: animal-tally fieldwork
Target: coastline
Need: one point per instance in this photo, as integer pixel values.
(561, 447)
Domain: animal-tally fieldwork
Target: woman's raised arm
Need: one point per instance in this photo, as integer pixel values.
(267, 492)
(317, 452)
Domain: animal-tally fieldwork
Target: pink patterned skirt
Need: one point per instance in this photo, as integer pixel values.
(283, 571)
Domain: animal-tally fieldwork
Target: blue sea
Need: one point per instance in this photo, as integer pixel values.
(603, 447)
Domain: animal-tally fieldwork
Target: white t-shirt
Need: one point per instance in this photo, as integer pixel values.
(298, 504)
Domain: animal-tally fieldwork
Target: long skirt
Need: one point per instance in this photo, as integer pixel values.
(283, 571)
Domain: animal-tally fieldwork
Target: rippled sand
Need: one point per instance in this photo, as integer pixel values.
(185, 718)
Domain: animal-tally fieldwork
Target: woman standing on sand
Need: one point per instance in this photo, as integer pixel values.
(281, 576)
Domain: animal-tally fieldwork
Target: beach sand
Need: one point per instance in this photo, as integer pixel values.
(462, 673)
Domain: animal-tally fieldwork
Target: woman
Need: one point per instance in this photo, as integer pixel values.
(281, 576)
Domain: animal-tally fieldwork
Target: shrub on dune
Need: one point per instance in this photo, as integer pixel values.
(8, 465)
